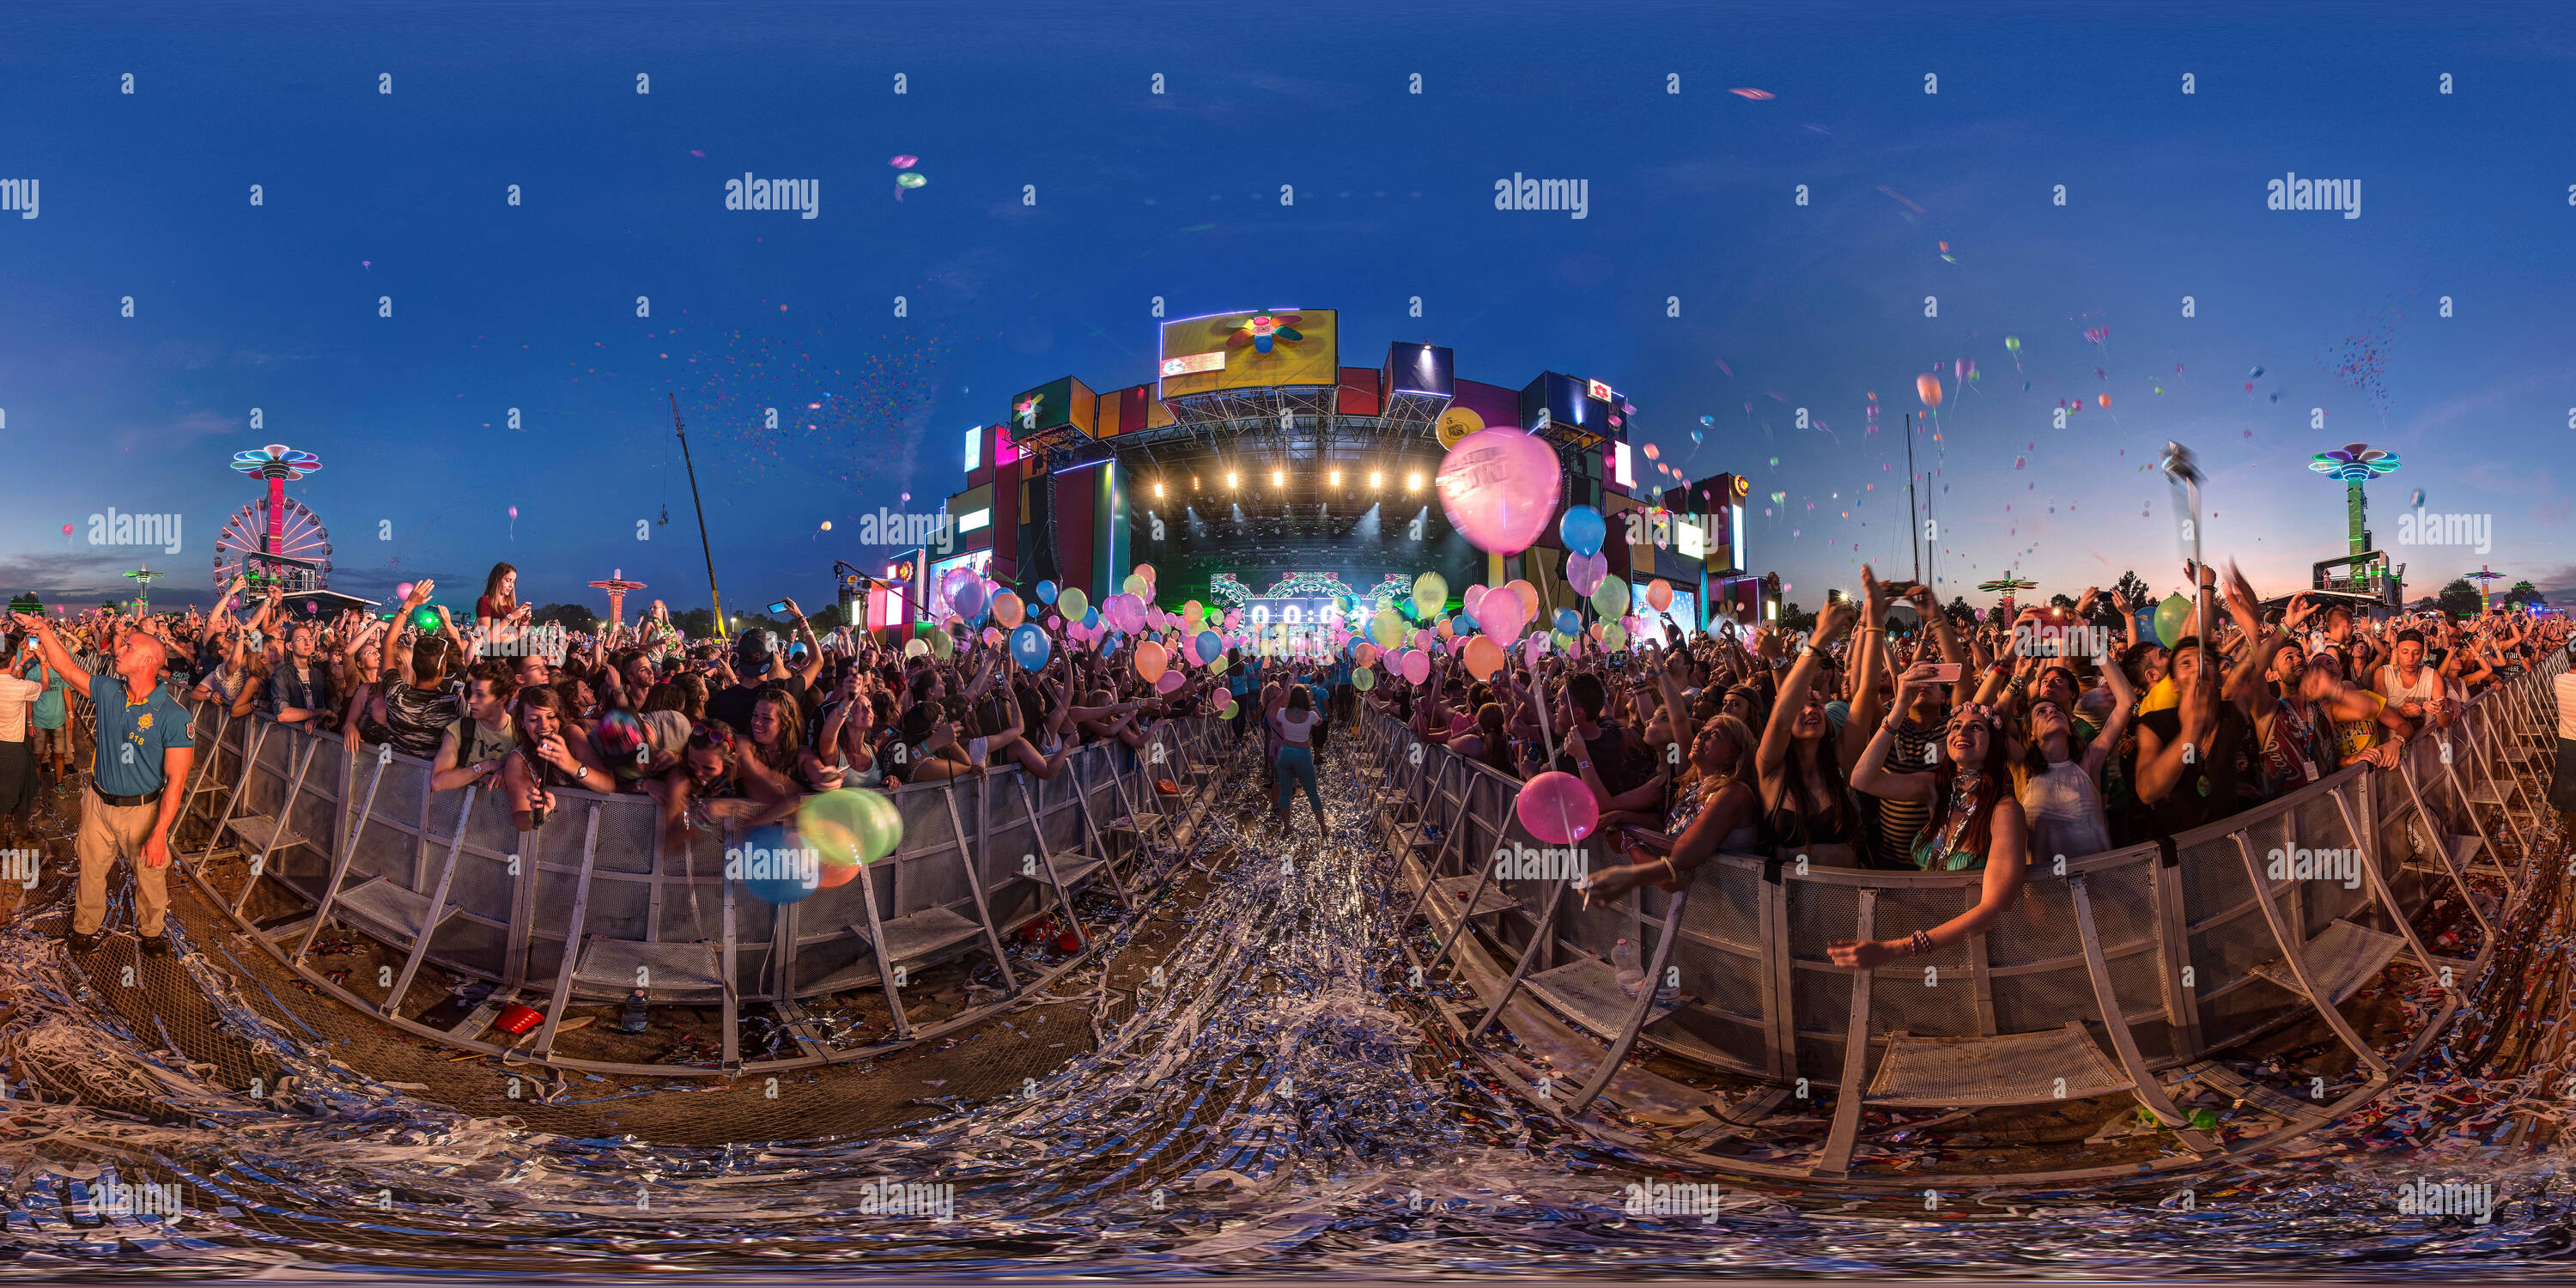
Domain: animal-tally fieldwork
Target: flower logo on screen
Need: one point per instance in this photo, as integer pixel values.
(1265, 330)
(1028, 410)
(2354, 463)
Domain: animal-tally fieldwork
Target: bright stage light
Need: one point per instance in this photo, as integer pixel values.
(1336, 478)
(1158, 491)
(1376, 479)
(1278, 478)
(1232, 479)
(1413, 481)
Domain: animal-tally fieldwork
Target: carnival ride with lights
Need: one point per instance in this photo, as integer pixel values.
(2363, 571)
(277, 540)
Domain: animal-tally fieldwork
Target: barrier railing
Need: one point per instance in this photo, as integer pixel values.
(593, 904)
(2163, 953)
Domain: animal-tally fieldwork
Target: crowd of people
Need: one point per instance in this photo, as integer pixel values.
(1864, 742)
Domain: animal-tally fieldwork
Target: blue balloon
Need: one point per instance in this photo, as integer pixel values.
(1582, 530)
(1568, 622)
(1464, 621)
(1211, 646)
(1046, 592)
(1091, 619)
(1710, 421)
(1029, 646)
(773, 868)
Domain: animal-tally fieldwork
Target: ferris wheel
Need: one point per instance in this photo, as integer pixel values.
(245, 534)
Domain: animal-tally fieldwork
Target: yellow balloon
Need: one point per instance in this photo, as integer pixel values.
(1386, 628)
(1615, 635)
(1430, 593)
(1457, 423)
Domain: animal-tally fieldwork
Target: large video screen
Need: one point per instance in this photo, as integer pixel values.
(1260, 545)
(1251, 350)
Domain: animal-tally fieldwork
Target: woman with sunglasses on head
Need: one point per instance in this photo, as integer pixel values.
(1976, 824)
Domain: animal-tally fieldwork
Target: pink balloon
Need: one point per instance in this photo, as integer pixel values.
(1234, 619)
(1171, 680)
(993, 636)
(968, 598)
(1054, 623)
(1500, 488)
(1422, 639)
(1557, 808)
(1585, 572)
(1417, 667)
(1534, 648)
(402, 591)
(1473, 596)
(1503, 617)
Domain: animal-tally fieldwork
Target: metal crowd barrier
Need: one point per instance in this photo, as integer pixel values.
(593, 904)
(2161, 955)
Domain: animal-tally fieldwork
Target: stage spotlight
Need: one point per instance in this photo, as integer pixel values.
(1158, 491)
(1335, 478)
(1413, 481)
(1376, 479)
(1232, 479)
(1278, 478)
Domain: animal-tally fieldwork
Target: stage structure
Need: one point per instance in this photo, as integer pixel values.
(2364, 570)
(1255, 457)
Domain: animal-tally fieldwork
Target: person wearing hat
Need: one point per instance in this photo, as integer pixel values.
(145, 745)
(758, 663)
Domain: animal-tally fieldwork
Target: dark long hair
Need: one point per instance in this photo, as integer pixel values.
(492, 586)
(1993, 785)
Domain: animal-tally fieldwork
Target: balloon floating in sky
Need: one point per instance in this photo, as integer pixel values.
(1710, 421)
(910, 179)
(1928, 387)
(1757, 95)
(1499, 488)
(2255, 374)
(2013, 342)
(903, 162)
(1695, 436)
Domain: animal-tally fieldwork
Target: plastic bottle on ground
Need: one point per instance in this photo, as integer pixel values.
(1623, 959)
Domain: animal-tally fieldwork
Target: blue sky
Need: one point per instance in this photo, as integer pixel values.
(369, 195)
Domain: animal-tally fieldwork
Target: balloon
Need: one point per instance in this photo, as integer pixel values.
(1557, 808)
(1091, 619)
(1928, 387)
(1422, 639)
(1070, 602)
(2013, 342)
(1030, 646)
(1611, 598)
(1504, 618)
(2105, 399)
(1227, 711)
(1046, 592)
(1430, 592)
(514, 512)
(1696, 437)
(1008, 610)
(1534, 648)
(1473, 596)
(942, 645)
(1614, 636)
(1151, 661)
(911, 179)
(2171, 617)
(1417, 667)
(402, 591)
(1139, 587)
(992, 636)
(1582, 529)
(1363, 679)
(916, 647)
(1483, 658)
(1498, 488)
(1171, 680)
(1211, 648)
(1145, 571)
(1194, 610)
(903, 162)
(1659, 594)
(1710, 421)
(1584, 572)
(1386, 628)
(1528, 596)
(850, 827)
(1568, 621)
(772, 869)
(1446, 630)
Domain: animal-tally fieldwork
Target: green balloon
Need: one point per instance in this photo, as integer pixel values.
(1387, 628)
(850, 825)
(1227, 713)
(1073, 604)
(1364, 679)
(942, 644)
(1611, 597)
(1614, 636)
(2172, 616)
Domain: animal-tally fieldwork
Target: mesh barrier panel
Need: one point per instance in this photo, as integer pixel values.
(618, 909)
(2124, 908)
(1726, 903)
(483, 887)
(1818, 914)
(1902, 910)
(2213, 880)
(1925, 1005)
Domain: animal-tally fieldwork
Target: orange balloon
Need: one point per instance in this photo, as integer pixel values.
(1659, 594)
(1928, 387)
(1528, 596)
(2106, 399)
(1151, 661)
(831, 876)
(1008, 610)
(1145, 571)
(1483, 657)
(1445, 631)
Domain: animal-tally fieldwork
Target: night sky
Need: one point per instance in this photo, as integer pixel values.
(2465, 197)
